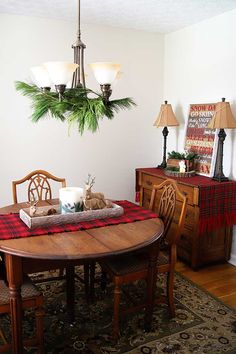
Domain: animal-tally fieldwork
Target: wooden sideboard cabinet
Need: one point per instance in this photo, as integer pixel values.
(196, 248)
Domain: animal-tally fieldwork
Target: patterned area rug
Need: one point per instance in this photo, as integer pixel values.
(202, 323)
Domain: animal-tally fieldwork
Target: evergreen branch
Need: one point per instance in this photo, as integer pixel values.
(26, 89)
(115, 105)
(123, 103)
(76, 107)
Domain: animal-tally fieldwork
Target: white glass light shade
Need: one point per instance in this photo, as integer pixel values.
(105, 73)
(40, 76)
(60, 72)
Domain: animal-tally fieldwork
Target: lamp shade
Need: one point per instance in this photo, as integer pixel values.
(223, 117)
(40, 76)
(105, 73)
(166, 117)
(60, 72)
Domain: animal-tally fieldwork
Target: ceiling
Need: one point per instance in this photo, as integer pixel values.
(161, 16)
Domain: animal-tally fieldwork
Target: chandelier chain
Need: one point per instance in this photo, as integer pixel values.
(79, 47)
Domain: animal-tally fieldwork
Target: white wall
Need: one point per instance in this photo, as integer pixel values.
(200, 68)
(121, 145)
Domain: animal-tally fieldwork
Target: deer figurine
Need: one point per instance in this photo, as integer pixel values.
(32, 206)
(92, 200)
(88, 186)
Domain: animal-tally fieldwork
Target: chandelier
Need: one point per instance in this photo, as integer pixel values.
(59, 90)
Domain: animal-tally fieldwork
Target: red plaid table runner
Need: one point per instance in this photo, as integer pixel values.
(11, 226)
(217, 200)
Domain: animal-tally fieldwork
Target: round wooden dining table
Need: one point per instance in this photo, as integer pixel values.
(68, 247)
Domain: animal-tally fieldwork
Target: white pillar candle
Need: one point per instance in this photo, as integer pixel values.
(71, 199)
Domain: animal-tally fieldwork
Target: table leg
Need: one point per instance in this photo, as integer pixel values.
(89, 290)
(70, 292)
(151, 285)
(15, 278)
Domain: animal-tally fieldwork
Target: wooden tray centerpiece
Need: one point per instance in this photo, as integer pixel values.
(51, 215)
(76, 205)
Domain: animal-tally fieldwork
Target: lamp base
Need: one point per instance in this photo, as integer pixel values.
(162, 165)
(218, 174)
(220, 178)
(165, 132)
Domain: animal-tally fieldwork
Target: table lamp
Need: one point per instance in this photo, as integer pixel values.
(166, 118)
(222, 118)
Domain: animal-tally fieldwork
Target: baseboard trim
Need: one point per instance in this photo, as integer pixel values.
(233, 259)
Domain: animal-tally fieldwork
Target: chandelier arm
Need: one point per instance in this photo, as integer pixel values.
(82, 68)
(95, 93)
(79, 68)
(49, 94)
(74, 75)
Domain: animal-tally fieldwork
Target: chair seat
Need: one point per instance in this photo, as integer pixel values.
(31, 298)
(28, 290)
(133, 263)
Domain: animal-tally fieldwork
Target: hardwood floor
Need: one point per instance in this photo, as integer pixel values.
(219, 280)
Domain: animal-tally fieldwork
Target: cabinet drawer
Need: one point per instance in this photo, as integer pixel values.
(189, 192)
(190, 218)
(185, 241)
(146, 198)
(184, 254)
(148, 181)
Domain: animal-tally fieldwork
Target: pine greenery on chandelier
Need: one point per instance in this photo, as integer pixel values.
(71, 101)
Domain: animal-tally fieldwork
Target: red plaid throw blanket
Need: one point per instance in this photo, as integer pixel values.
(11, 225)
(217, 200)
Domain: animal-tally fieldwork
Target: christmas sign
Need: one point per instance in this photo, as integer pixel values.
(200, 139)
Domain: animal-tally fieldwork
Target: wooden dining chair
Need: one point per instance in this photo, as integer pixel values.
(31, 299)
(132, 267)
(39, 187)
